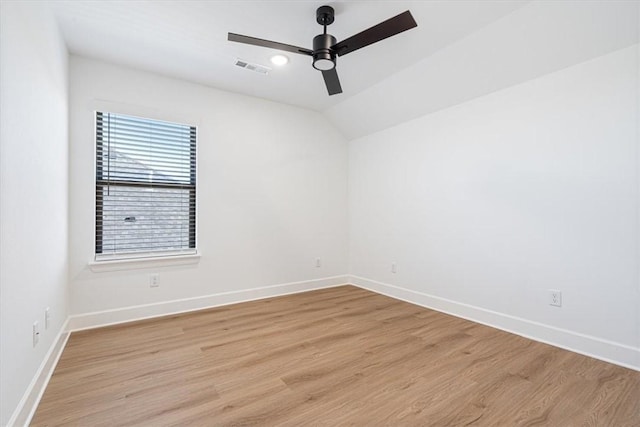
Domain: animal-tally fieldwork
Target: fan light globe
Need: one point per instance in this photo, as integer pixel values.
(279, 60)
(323, 64)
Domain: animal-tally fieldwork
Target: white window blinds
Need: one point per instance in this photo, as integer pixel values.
(145, 187)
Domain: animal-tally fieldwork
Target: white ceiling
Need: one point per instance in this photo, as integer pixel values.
(188, 40)
(540, 38)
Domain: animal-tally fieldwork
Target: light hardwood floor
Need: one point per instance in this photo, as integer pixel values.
(332, 357)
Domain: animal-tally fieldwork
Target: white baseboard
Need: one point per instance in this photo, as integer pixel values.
(128, 314)
(29, 402)
(598, 348)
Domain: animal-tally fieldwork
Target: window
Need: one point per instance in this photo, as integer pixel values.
(145, 187)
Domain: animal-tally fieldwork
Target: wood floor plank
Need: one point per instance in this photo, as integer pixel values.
(338, 356)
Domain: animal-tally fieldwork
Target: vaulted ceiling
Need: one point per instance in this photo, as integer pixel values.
(188, 40)
(460, 49)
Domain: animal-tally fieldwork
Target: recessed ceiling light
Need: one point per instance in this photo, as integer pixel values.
(279, 60)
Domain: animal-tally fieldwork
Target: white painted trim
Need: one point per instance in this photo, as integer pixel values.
(27, 407)
(598, 348)
(139, 312)
(143, 262)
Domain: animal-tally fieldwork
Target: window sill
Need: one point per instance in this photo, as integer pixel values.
(140, 263)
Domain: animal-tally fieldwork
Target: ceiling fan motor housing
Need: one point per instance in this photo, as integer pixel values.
(323, 57)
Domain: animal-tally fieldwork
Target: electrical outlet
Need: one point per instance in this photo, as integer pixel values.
(394, 268)
(154, 281)
(555, 298)
(47, 318)
(318, 263)
(36, 333)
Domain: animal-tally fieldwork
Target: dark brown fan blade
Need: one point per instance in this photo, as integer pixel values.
(267, 43)
(332, 81)
(383, 30)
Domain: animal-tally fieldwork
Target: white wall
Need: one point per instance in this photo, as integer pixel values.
(33, 192)
(487, 205)
(272, 189)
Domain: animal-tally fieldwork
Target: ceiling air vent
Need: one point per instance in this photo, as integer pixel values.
(253, 67)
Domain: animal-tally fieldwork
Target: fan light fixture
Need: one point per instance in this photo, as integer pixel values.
(324, 64)
(323, 58)
(279, 60)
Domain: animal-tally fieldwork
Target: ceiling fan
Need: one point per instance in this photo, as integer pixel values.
(326, 48)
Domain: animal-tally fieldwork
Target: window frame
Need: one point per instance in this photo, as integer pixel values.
(141, 259)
